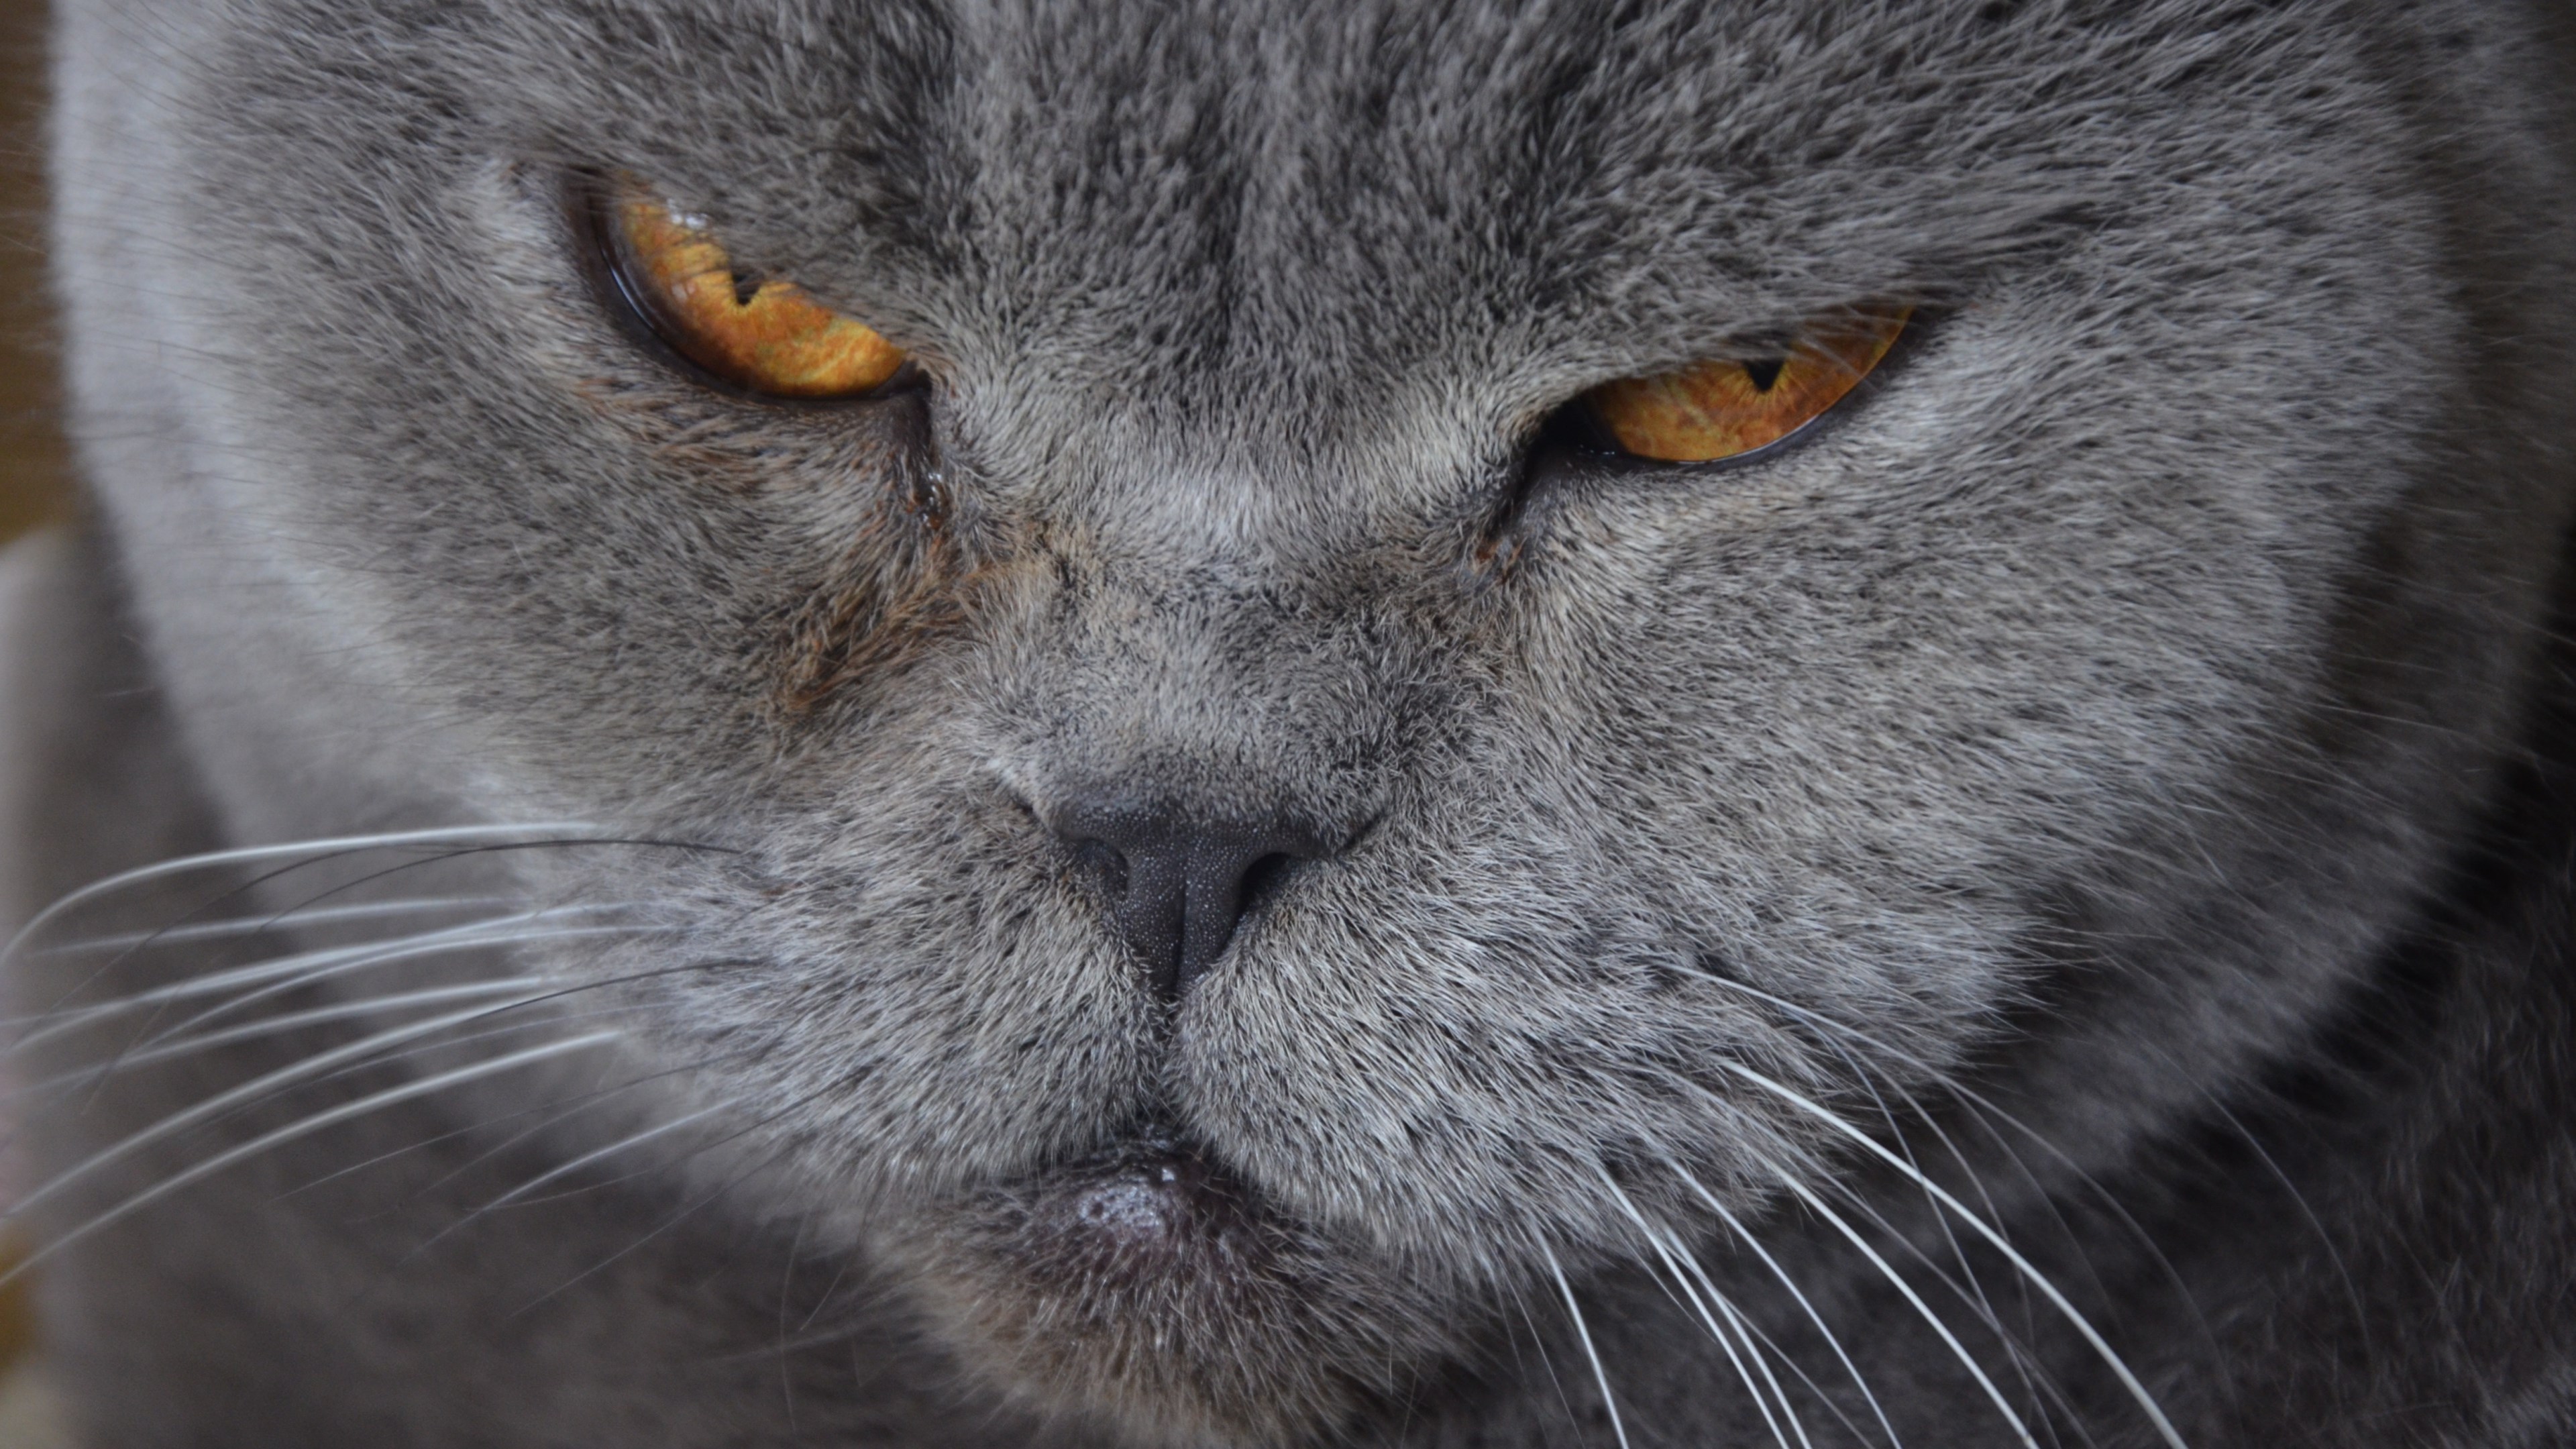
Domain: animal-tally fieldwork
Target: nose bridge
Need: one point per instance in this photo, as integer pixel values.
(1191, 517)
(1225, 683)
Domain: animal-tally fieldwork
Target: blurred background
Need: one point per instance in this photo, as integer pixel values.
(32, 489)
(31, 448)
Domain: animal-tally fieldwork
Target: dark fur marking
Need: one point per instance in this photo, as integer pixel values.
(893, 591)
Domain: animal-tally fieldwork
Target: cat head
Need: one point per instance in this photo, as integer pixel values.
(1234, 829)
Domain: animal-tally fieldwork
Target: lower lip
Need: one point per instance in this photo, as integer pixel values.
(1139, 1215)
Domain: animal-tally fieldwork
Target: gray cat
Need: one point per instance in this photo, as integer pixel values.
(1156, 724)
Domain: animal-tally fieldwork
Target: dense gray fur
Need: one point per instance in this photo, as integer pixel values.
(2128, 715)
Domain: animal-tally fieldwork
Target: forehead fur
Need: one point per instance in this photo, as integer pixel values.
(1178, 213)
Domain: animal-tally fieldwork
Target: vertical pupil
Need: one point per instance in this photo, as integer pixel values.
(1765, 372)
(746, 286)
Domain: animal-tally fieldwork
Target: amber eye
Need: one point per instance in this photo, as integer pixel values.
(763, 336)
(1723, 409)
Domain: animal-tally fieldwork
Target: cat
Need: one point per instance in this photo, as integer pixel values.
(1131, 724)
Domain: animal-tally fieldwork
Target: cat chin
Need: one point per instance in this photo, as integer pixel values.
(1147, 1290)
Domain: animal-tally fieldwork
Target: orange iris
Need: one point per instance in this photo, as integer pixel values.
(770, 339)
(1713, 410)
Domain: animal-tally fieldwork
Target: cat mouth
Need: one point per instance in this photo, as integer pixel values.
(1149, 1287)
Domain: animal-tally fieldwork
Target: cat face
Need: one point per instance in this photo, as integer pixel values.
(1232, 848)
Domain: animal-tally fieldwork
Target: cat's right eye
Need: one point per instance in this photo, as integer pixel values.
(762, 335)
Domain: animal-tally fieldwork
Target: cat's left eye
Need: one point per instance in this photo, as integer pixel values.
(762, 335)
(1727, 408)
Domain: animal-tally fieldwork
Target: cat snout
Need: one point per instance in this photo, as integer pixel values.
(1177, 881)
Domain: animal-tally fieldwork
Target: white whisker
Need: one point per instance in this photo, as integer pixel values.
(361, 1050)
(306, 967)
(1978, 1225)
(448, 1044)
(674, 1220)
(1975, 1289)
(2024, 1359)
(581, 1102)
(738, 1133)
(566, 1169)
(562, 1170)
(242, 855)
(1745, 1235)
(1967, 1284)
(303, 1127)
(275, 1025)
(299, 918)
(1957, 1349)
(1666, 1251)
(1583, 1331)
(546, 1113)
(1726, 1335)
(1753, 1350)
(1987, 1113)
(390, 952)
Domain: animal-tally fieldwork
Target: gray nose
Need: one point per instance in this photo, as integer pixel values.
(1179, 882)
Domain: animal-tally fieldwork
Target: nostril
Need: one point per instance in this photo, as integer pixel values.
(1105, 864)
(1176, 882)
(1262, 879)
